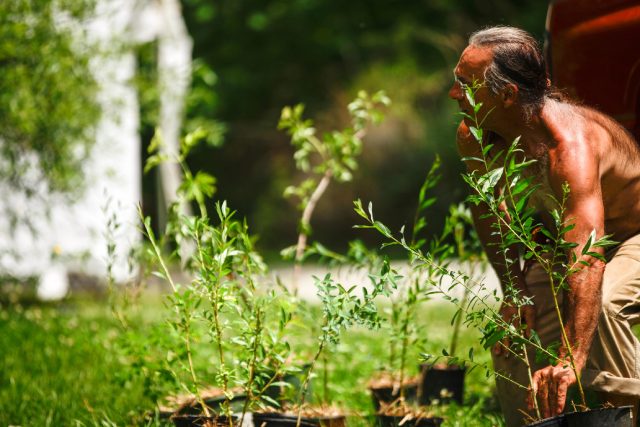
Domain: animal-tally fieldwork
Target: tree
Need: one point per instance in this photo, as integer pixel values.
(48, 105)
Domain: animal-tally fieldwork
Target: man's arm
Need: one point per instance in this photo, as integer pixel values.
(485, 225)
(576, 165)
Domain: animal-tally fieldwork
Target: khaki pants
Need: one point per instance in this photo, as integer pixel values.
(613, 365)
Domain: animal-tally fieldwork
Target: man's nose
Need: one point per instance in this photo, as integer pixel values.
(455, 92)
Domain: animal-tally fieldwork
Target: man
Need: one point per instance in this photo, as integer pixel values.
(600, 161)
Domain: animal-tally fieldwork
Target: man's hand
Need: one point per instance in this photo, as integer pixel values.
(510, 314)
(550, 386)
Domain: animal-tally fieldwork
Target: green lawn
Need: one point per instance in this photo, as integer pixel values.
(63, 365)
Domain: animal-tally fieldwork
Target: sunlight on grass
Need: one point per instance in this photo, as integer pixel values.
(62, 366)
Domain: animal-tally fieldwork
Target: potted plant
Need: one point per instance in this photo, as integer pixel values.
(222, 302)
(443, 382)
(396, 384)
(332, 157)
(341, 308)
(514, 225)
(554, 253)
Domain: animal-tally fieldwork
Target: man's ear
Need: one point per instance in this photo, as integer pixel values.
(509, 95)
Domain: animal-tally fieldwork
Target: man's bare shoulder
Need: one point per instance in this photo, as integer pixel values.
(575, 125)
(578, 131)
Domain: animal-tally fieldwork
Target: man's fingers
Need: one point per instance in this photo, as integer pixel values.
(561, 395)
(552, 394)
(543, 392)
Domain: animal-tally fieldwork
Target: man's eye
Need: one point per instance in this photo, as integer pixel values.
(462, 84)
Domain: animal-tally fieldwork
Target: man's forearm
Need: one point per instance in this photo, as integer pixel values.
(584, 304)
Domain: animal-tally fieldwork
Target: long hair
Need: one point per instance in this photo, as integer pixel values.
(518, 60)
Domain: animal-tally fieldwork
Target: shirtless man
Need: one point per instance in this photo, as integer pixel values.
(600, 161)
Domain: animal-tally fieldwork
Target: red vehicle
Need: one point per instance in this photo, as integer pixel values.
(593, 52)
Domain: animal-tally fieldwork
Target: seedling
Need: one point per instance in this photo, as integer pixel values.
(222, 298)
(332, 157)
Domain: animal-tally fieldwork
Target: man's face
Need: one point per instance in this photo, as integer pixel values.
(470, 69)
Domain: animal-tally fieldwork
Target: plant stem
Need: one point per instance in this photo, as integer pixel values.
(192, 371)
(184, 313)
(215, 304)
(565, 338)
(252, 363)
(525, 359)
(465, 296)
(456, 326)
(403, 348)
(304, 224)
(393, 341)
(325, 378)
(307, 378)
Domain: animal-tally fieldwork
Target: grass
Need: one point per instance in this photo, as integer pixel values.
(58, 367)
(61, 366)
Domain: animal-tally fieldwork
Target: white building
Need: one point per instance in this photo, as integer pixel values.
(72, 237)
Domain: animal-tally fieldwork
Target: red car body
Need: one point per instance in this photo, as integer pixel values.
(593, 52)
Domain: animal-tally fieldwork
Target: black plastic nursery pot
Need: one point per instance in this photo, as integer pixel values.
(557, 421)
(281, 393)
(442, 383)
(604, 417)
(276, 419)
(215, 405)
(203, 421)
(387, 395)
(394, 421)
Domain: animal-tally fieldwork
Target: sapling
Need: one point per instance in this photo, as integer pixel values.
(516, 225)
(343, 307)
(505, 188)
(223, 295)
(486, 317)
(332, 157)
(404, 306)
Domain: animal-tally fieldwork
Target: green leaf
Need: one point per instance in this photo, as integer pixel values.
(587, 246)
(382, 228)
(476, 132)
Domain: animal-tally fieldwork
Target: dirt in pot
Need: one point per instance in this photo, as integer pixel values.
(400, 413)
(204, 421)
(213, 397)
(322, 416)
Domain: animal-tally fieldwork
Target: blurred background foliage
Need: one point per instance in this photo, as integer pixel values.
(262, 55)
(251, 58)
(48, 104)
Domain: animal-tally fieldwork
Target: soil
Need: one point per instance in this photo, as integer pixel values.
(309, 411)
(387, 380)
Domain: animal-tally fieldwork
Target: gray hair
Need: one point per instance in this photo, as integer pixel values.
(517, 60)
